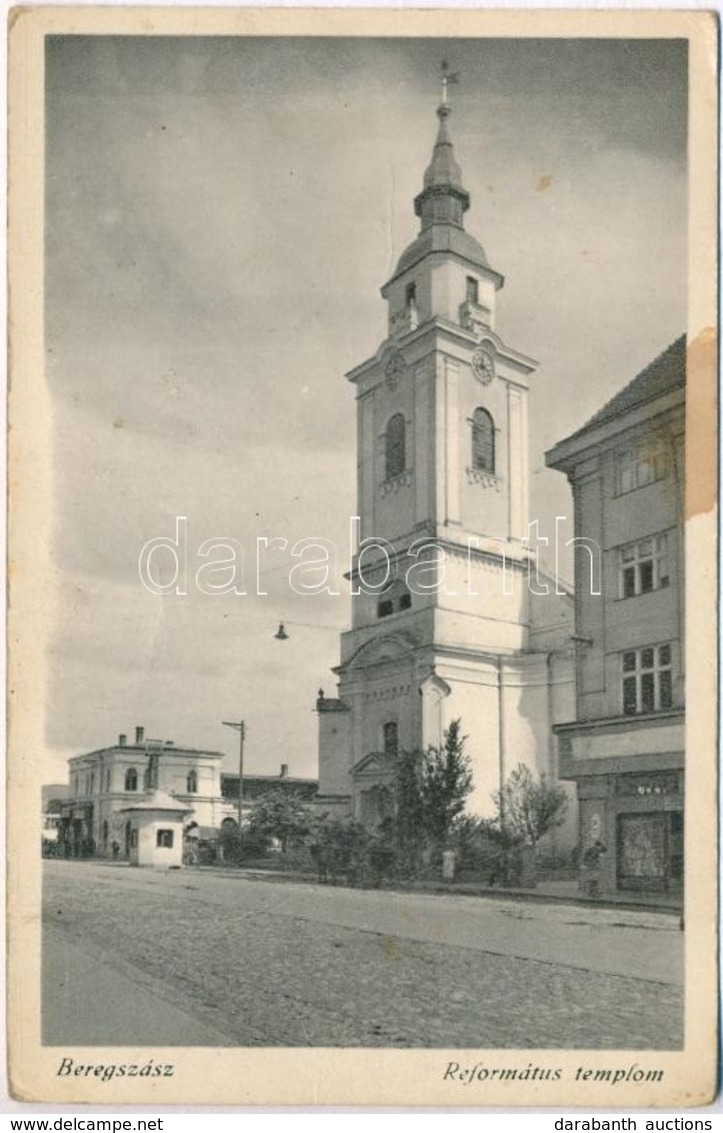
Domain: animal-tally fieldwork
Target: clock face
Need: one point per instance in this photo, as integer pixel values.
(483, 366)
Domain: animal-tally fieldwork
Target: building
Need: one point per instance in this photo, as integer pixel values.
(52, 796)
(450, 617)
(625, 748)
(104, 782)
(256, 786)
(156, 830)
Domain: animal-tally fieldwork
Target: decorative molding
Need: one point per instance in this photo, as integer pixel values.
(404, 321)
(403, 480)
(475, 317)
(394, 368)
(484, 479)
(451, 366)
(388, 693)
(421, 370)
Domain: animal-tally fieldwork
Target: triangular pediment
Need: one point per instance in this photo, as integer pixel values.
(382, 650)
(374, 763)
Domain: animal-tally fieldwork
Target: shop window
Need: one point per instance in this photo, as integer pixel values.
(164, 839)
(647, 680)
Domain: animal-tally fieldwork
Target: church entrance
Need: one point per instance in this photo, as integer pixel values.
(377, 804)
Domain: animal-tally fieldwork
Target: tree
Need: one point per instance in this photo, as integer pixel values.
(446, 783)
(410, 811)
(282, 815)
(527, 808)
(431, 789)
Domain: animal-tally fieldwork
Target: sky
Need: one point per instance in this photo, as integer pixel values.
(220, 216)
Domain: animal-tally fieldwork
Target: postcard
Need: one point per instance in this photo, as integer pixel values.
(363, 557)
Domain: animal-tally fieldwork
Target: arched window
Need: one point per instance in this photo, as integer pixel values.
(191, 783)
(483, 441)
(396, 459)
(391, 738)
(131, 779)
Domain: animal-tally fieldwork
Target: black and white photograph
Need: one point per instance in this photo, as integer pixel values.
(365, 487)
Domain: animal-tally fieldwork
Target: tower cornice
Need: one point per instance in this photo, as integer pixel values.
(457, 338)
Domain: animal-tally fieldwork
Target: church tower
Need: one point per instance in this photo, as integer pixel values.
(442, 625)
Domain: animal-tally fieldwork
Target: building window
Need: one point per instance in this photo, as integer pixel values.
(483, 441)
(410, 295)
(472, 292)
(92, 782)
(134, 838)
(131, 779)
(107, 779)
(644, 566)
(394, 597)
(639, 466)
(164, 839)
(391, 739)
(396, 459)
(192, 783)
(647, 680)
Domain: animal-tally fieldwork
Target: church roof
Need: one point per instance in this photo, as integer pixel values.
(441, 206)
(445, 238)
(444, 169)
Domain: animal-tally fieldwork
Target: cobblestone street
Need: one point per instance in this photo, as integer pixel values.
(257, 963)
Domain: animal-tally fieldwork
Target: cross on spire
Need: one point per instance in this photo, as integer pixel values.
(448, 78)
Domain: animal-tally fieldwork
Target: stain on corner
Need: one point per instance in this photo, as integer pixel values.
(701, 438)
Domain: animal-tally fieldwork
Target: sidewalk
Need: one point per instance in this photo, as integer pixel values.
(551, 892)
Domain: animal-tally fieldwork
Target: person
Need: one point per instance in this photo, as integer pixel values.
(116, 850)
(591, 861)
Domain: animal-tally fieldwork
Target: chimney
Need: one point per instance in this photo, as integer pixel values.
(122, 739)
(284, 770)
(139, 735)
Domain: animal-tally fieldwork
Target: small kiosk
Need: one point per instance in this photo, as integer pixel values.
(156, 830)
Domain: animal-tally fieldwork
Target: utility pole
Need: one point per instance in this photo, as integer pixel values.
(240, 727)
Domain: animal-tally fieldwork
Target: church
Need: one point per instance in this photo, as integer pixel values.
(450, 617)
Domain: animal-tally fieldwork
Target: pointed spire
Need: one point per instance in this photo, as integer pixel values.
(443, 199)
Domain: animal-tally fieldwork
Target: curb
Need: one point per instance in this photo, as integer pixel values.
(461, 890)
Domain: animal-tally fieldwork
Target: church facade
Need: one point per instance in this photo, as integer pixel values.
(450, 618)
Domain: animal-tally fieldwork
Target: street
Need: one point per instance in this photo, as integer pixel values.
(189, 957)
